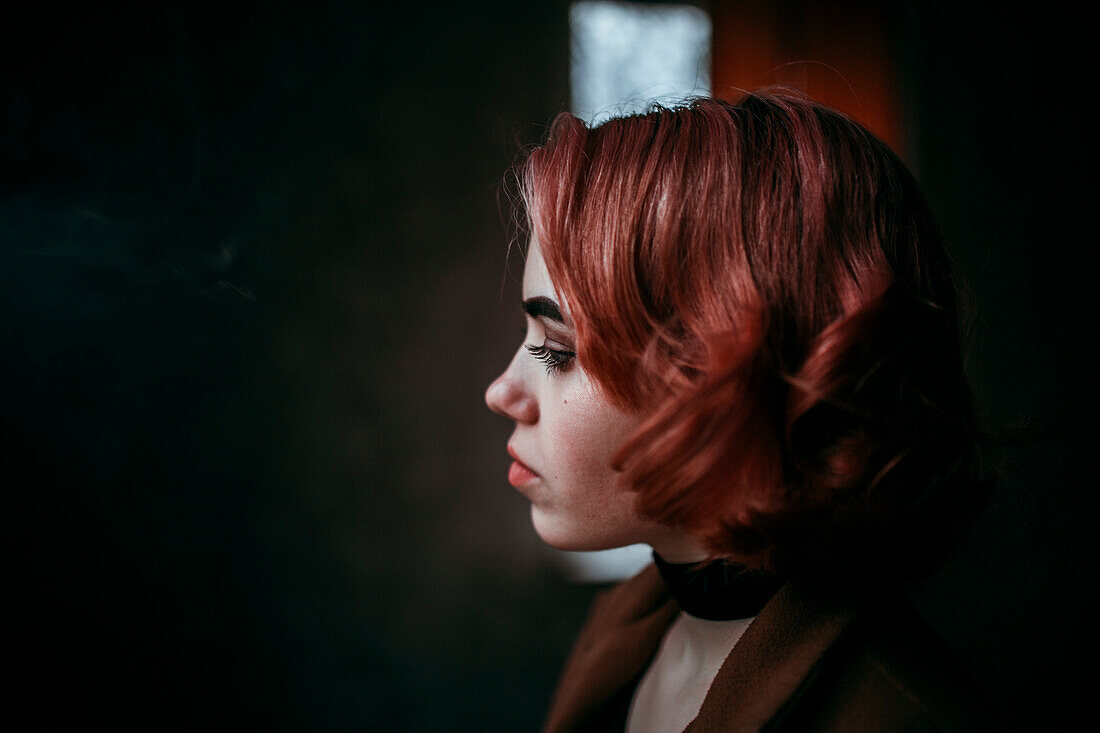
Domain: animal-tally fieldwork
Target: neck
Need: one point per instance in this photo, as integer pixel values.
(679, 548)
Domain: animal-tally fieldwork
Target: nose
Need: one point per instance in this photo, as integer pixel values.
(507, 396)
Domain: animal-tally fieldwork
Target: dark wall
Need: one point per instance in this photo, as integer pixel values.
(252, 274)
(1005, 156)
(253, 284)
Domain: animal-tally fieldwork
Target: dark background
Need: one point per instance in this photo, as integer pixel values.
(253, 279)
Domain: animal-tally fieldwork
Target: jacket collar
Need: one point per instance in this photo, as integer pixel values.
(615, 646)
(755, 685)
(761, 677)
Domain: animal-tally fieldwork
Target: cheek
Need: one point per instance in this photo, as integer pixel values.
(588, 434)
(584, 504)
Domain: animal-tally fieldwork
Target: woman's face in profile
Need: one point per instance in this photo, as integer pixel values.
(566, 431)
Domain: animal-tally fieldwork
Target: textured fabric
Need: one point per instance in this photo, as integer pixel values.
(813, 660)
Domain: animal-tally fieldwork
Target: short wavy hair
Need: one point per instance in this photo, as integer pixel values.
(764, 282)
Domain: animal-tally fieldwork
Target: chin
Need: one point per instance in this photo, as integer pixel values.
(562, 534)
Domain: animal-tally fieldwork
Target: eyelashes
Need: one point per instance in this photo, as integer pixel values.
(554, 359)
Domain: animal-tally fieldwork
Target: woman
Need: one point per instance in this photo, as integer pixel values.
(742, 348)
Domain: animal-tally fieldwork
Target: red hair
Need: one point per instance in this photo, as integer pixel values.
(764, 282)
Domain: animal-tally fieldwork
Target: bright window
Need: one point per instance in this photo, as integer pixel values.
(625, 55)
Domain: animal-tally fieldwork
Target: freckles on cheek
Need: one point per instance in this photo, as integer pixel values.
(587, 450)
(588, 432)
(579, 456)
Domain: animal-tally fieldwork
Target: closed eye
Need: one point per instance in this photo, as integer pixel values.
(554, 359)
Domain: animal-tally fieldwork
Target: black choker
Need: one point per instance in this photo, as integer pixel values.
(718, 591)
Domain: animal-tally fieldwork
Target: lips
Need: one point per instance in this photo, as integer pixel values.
(519, 473)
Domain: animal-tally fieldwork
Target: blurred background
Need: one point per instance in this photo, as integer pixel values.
(254, 282)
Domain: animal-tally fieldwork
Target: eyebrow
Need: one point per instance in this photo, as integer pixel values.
(540, 305)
